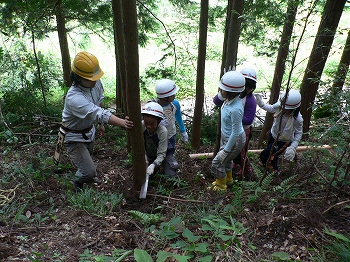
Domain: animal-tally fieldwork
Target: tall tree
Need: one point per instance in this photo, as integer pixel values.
(119, 53)
(62, 38)
(282, 56)
(132, 91)
(232, 32)
(343, 67)
(323, 42)
(202, 47)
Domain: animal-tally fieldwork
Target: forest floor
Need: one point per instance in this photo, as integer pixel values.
(56, 231)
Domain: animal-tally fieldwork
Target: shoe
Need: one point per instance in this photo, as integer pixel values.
(78, 187)
(97, 181)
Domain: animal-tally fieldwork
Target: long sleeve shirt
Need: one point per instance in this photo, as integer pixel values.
(295, 133)
(249, 104)
(173, 115)
(82, 109)
(156, 144)
(231, 121)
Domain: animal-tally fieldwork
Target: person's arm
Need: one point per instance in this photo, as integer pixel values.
(218, 99)
(267, 107)
(162, 145)
(116, 121)
(236, 118)
(249, 111)
(178, 116)
(180, 122)
(298, 133)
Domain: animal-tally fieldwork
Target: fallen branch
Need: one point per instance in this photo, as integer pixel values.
(299, 149)
(177, 199)
(337, 204)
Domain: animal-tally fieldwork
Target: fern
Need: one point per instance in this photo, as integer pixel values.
(285, 184)
(145, 219)
(267, 181)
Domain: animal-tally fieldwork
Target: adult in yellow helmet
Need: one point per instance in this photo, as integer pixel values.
(82, 109)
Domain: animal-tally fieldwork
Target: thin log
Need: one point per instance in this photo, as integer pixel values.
(299, 149)
(337, 204)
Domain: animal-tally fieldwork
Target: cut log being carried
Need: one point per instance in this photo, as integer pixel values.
(299, 149)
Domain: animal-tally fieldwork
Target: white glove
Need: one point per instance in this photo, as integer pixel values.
(220, 96)
(221, 155)
(230, 68)
(290, 153)
(184, 137)
(259, 100)
(150, 169)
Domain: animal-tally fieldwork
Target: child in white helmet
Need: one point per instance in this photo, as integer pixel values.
(249, 105)
(290, 122)
(82, 109)
(233, 136)
(155, 136)
(166, 90)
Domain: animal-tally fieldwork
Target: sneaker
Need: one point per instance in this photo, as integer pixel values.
(78, 187)
(97, 181)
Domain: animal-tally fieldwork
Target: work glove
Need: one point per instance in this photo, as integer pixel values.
(230, 68)
(259, 100)
(221, 155)
(220, 96)
(150, 169)
(184, 137)
(289, 154)
(218, 99)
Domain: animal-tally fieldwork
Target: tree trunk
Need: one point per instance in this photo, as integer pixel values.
(343, 68)
(282, 56)
(133, 91)
(119, 53)
(233, 31)
(62, 38)
(322, 45)
(202, 47)
(227, 26)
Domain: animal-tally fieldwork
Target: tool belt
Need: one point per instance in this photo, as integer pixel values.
(83, 132)
(61, 135)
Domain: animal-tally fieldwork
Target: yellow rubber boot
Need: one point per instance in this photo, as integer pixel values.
(229, 179)
(219, 185)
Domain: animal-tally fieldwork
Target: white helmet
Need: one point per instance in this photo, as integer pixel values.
(154, 109)
(293, 100)
(249, 73)
(232, 81)
(166, 88)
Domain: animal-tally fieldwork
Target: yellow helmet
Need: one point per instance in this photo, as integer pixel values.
(86, 65)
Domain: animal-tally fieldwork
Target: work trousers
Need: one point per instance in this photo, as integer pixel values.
(242, 159)
(218, 169)
(80, 154)
(170, 164)
(264, 155)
